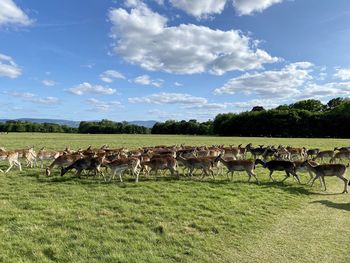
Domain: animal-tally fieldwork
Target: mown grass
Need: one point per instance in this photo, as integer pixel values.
(65, 219)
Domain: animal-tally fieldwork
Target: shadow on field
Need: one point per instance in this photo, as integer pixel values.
(292, 189)
(341, 206)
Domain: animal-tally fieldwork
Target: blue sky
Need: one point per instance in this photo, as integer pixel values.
(169, 59)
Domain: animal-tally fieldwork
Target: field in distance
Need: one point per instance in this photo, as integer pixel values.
(65, 219)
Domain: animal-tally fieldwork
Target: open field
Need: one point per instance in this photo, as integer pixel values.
(65, 219)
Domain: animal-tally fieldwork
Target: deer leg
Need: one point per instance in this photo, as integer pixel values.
(346, 181)
(120, 177)
(296, 177)
(254, 175)
(287, 175)
(249, 176)
(324, 183)
(270, 175)
(11, 164)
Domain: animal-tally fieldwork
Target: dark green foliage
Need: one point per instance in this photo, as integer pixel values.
(308, 118)
(183, 127)
(111, 127)
(24, 126)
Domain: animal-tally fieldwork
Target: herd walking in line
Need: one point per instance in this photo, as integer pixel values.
(209, 160)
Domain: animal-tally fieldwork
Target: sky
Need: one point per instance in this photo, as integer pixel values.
(169, 59)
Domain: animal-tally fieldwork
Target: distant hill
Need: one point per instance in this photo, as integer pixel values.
(147, 124)
(75, 124)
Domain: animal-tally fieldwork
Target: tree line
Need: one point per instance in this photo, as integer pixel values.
(100, 127)
(111, 127)
(306, 118)
(26, 126)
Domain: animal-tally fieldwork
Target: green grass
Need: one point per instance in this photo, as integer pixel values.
(65, 219)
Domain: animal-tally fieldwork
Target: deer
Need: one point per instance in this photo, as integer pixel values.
(160, 163)
(311, 153)
(12, 157)
(204, 163)
(119, 166)
(324, 154)
(300, 168)
(256, 152)
(340, 155)
(299, 153)
(62, 161)
(279, 165)
(323, 170)
(341, 149)
(44, 154)
(28, 154)
(85, 163)
(239, 165)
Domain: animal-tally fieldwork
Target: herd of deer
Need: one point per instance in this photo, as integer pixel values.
(291, 160)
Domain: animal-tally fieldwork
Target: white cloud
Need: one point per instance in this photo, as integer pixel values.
(169, 98)
(48, 82)
(86, 87)
(34, 98)
(178, 84)
(146, 80)
(103, 105)
(270, 84)
(142, 37)
(8, 67)
(343, 74)
(21, 94)
(200, 8)
(45, 100)
(247, 7)
(109, 76)
(10, 13)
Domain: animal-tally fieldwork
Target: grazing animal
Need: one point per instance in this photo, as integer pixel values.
(12, 157)
(324, 154)
(86, 163)
(311, 153)
(206, 164)
(256, 152)
(239, 165)
(119, 166)
(300, 168)
(340, 156)
(323, 170)
(279, 165)
(63, 161)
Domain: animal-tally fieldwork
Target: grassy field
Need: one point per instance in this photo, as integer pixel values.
(65, 219)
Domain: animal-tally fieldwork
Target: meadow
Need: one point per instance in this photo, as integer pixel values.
(66, 219)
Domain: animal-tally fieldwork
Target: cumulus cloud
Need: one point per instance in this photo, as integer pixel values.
(169, 98)
(142, 37)
(110, 75)
(205, 8)
(103, 105)
(45, 100)
(200, 8)
(146, 80)
(86, 87)
(34, 98)
(10, 13)
(247, 7)
(48, 82)
(271, 84)
(8, 67)
(343, 74)
(21, 94)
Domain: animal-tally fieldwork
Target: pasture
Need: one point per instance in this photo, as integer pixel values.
(66, 219)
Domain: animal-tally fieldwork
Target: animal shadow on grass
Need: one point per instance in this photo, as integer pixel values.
(341, 206)
(292, 189)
